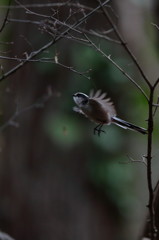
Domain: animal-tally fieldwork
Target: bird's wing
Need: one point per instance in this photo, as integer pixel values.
(77, 109)
(106, 103)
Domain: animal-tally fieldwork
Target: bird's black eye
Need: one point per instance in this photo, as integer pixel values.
(85, 101)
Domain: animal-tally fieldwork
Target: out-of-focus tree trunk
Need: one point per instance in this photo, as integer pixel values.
(45, 193)
(133, 16)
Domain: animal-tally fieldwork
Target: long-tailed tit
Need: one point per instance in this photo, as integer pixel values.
(101, 110)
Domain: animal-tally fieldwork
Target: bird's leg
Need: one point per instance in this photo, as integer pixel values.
(98, 129)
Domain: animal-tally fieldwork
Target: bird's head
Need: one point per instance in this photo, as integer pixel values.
(80, 99)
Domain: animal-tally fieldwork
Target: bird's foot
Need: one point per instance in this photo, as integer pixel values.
(98, 129)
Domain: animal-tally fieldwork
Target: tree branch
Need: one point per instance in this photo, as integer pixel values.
(124, 44)
(38, 104)
(153, 229)
(6, 16)
(116, 65)
(49, 44)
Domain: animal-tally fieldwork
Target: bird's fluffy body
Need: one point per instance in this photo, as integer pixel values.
(97, 103)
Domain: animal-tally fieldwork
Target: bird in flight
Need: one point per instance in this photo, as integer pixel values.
(101, 110)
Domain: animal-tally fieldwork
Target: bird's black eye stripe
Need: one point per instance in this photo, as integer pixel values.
(80, 95)
(85, 101)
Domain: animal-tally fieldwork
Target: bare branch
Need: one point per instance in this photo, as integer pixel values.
(31, 55)
(117, 66)
(153, 230)
(49, 60)
(38, 104)
(155, 25)
(48, 5)
(5, 19)
(99, 35)
(124, 44)
(143, 160)
(78, 30)
(49, 44)
(156, 107)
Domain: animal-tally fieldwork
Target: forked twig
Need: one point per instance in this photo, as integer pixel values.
(38, 104)
(52, 42)
(116, 65)
(124, 44)
(139, 161)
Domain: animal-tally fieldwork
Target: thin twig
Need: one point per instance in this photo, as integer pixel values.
(155, 25)
(116, 65)
(139, 161)
(49, 44)
(5, 19)
(38, 104)
(49, 60)
(124, 44)
(134, 161)
(49, 17)
(156, 107)
(99, 35)
(30, 56)
(24, 21)
(48, 5)
(79, 30)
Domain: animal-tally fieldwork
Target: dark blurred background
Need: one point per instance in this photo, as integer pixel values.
(58, 180)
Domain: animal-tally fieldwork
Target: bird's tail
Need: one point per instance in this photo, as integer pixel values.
(128, 125)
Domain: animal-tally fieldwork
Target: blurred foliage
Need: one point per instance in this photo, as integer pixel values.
(4, 2)
(116, 178)
(63, 130)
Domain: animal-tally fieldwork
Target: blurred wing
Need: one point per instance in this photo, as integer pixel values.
(77, 109)
(106, 104)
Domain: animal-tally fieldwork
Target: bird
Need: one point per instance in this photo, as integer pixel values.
(101, 110)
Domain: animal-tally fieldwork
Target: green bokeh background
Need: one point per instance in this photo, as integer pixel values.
(53, 161)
